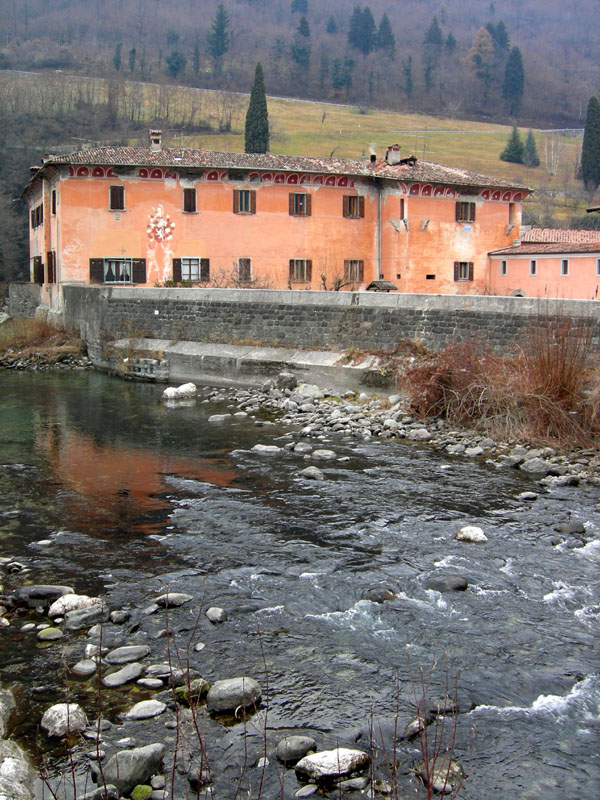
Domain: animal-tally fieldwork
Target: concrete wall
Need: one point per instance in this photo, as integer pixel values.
(302, 319)
(23, 299)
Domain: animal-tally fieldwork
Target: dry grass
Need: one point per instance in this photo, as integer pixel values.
(547, 390)
(24, 336)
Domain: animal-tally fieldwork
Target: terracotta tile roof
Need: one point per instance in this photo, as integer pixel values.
(171, 157)
(547, 248)
(557, 235)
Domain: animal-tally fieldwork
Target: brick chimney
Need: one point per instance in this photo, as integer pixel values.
(155, 140)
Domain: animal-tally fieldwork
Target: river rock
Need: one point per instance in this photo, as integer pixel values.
(419, 435)
(86, 617)
(323, 455)
(186, 390)
(7, 703)
(309, 391)
(41, 594)
(132, 767)
(218, 417)
(447, 583)
(127, 654)
(119, 616)
(303, 447)
(292, 748)
(328, 765)
(17, 777)
(130, 672)
(173, 599)
(197, 689)
(312, 473)
(108, 792)
(536, 466)
(146, 709)
(216, 615)
(50, 634)
(471, 533)
(443, 773)
(286, 380)
(232, 693)
(62, 719)
(379, 594)
(570, 527)
(266, 449)
(84, 668)
(71, 602)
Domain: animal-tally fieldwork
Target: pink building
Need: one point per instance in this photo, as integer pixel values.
(548, 262)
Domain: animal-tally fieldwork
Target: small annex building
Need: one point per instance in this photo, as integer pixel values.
(548, 262)
(154, 215)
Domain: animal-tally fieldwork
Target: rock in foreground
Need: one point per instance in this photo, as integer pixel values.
(329, 765)
(233, 693)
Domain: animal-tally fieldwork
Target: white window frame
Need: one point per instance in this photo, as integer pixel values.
(121, 270)
(533, 267)
(352, 270)
(190, 269)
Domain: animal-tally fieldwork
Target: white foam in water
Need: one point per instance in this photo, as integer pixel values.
(561, 591)
(359, 611)
(589, 616)
(590, 549)
(584, 696)
(271, 610)
(508, 566)
(309, 576)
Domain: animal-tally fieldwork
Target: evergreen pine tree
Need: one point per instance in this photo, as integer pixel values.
(384, 39)
(331, 26)
(219, 37)
(131, 59)
(450, 44)
(257, 117)
(433, 36)
(369, 31)
(514, 81)
(514, 149)
(530, 153)
(304, 27)
(175, 63)
(408, 77)
(117, 57)
(590, 151)
(301, 46)
(355, 29)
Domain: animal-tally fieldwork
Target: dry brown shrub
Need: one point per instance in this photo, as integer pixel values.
(547, 390)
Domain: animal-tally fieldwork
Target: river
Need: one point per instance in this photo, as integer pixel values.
(105, 489)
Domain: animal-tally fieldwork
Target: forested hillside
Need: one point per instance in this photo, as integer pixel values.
(536, 60)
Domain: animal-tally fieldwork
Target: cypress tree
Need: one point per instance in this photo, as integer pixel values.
(514, 149)
(530, 153)
(514, 81)
(384, 39)
(117, 57)
(219, 37)
(257, 117)
(590, 151)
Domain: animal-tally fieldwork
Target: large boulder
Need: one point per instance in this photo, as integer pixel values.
(71, 602)
(471, 533)
(40, 594)
(291, 749)
(331, 765)
(62, 719)
(17, 776)
(86, 617)
(233, 693)
(131, 767)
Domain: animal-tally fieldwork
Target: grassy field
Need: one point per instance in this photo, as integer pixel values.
(301, 127)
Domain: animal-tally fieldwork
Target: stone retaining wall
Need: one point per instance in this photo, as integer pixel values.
(317, 320)
(23, 299)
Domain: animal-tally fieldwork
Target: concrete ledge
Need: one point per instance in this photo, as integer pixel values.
(248, 365)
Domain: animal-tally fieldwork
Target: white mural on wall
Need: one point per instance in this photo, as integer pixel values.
(160, 252)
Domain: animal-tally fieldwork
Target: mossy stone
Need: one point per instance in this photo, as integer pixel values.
(196, 691)
(141, 792)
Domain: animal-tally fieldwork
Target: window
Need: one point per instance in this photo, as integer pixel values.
(300, 204)
(300, 270)
(244, 270)
(51, 265)
(512, 214)
(189, 200)
(354, 271)
(244, 201)
(598, 266)
(195, 270)
(37, 216)
(465, 212)
(564, 266)
(463, 270)
(402, 208)
(430, 277)
(353, 206)
(38, 270)
(503, 268)
(117, 270)
(533, 267)
(117, 198)
(53, 202)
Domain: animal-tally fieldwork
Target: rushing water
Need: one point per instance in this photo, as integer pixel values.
(135, 496)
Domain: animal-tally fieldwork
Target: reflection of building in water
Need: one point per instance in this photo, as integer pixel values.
(113, 485)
